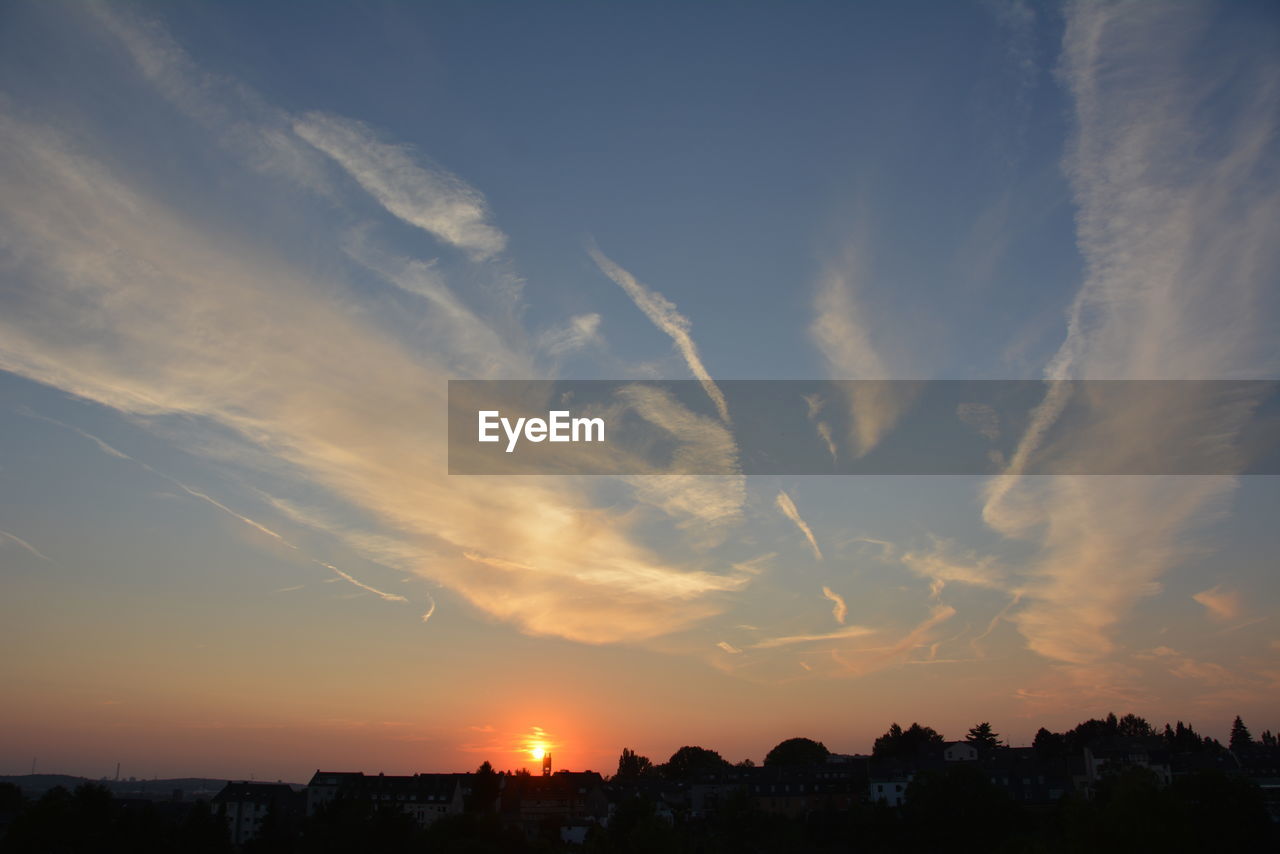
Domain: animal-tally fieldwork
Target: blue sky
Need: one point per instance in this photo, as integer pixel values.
(245, 245)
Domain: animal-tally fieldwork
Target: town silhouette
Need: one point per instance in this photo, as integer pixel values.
(1110, 784)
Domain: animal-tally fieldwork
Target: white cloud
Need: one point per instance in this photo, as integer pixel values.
(664, 315)
(788, 508)
(1176, 214)
(423, 195)
(581, 331)
(943, 563)
(842, 332)
(195, 321)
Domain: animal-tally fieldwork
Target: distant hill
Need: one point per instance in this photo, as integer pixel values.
(191, 788)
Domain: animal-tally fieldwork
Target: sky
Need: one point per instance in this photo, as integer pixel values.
(244, 247)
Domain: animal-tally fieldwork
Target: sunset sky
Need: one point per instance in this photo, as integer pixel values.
(244, 246)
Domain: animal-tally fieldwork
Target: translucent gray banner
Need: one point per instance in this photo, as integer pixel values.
(819, 427)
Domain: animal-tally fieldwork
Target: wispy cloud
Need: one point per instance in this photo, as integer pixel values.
(790, 640)
(943, 562)
(427, 196)
(1175, 222)
(350, 579)
(814, 405)
(1186, 667)
(194, 493)
(1222, 604)
(842, 333)
(702, 503)
(6, 537)
(257, 526)
(981, 417)
(788, 508)
(362, 422)
(839, 610)
(581, 331)
(664, 315)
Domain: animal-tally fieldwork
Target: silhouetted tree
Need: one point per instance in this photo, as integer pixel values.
(1240, 737)
(1267, 739)
(486, 784)
(632, 766)
(983, 737)
(1091, 732)
(1184, 739)
(746, 763)
(689, 762)
(798, 751)
(1131, 726)
(906, 743)
(1049, 745)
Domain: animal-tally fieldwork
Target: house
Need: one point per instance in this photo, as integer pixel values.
(564, 798)
(959, 751)
(1030, 778)
(891, 790)
(1147, 752)
(246, 806)
(797, 791)
(887, 780)
(426, 797)
(667, 796)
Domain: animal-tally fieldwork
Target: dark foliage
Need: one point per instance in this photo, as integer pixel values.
(90, 820)
(633, 766)
(1240, 737)
(906, 743)
(689, 762)
(798, 751)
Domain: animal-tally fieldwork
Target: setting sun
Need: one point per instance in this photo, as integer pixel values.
(538, 744)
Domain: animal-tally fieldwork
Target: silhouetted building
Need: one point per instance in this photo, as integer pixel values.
(247, 805)
(959, 751)
(564, 797)
(1029, 778)
(888, 779)
(426, 797)
(797, 791)
(1147, 752)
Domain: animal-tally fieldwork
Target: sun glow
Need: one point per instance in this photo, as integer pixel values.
(537, 744)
